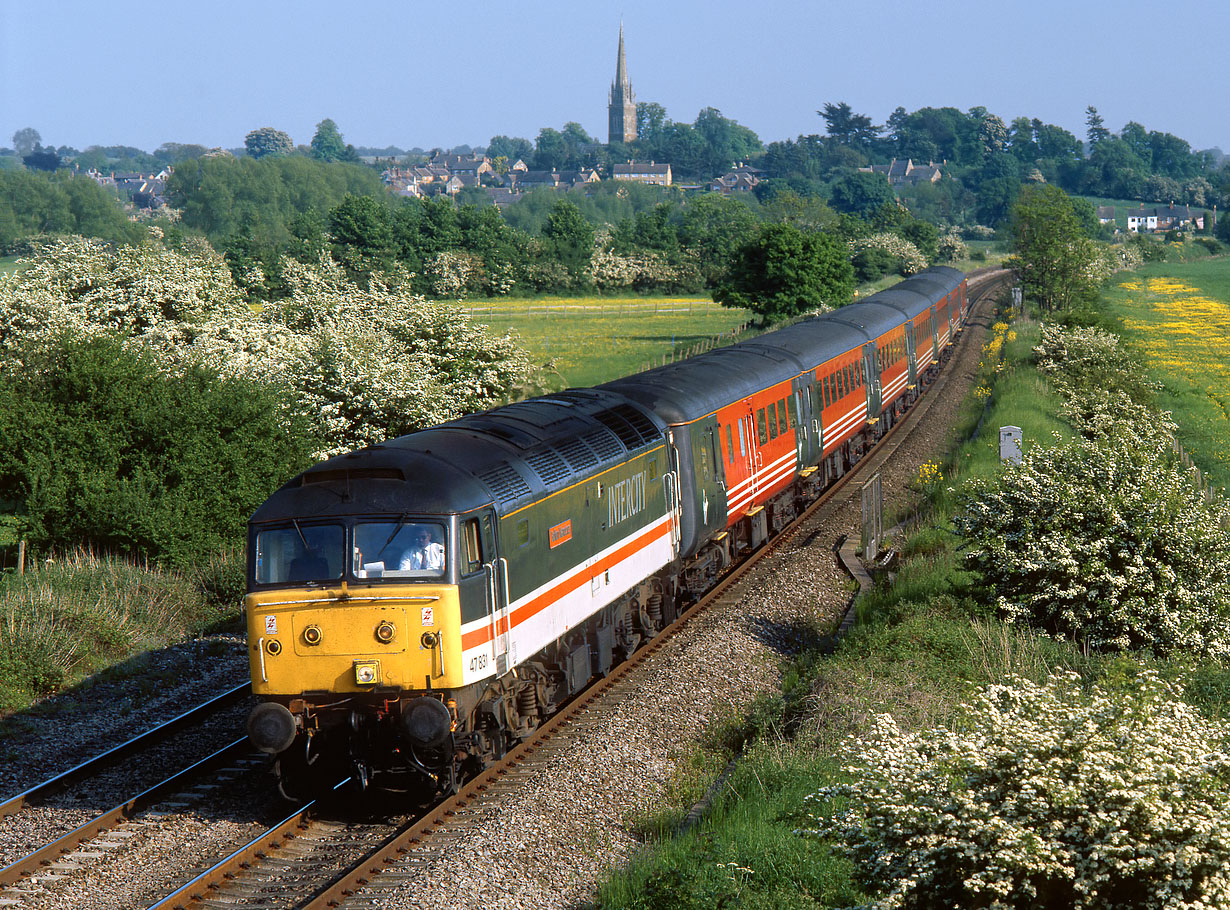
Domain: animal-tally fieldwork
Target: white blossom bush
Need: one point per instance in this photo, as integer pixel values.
(951, 247)
(640, 270)
(1043, 796)
(362, 363)
(455, 274)
(1090, 358)
(910, 260)
(88, 288)
(1106, 541)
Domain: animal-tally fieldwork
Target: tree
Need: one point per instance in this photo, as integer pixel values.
(267, 141)
(569, 236)
(650, 120)
(514, 149)
(24, 141)
(551, 150)
(716, 226)
(1050, 250)
(362, 234)
(103, 448)
(174, 152)
(860, 193)
(847, 127)
(784, 272)
(327, 144)
(1095, 129)
(42, 159)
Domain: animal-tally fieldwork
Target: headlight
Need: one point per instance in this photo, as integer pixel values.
(367, 672)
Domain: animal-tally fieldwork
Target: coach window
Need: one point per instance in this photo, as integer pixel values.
(772, 425)
(742, 440)
(824, 391)
(730, 444)
(792, 409)
(782, 423)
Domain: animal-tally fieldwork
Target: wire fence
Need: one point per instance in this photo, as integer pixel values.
(1210, 494)
(716, 341)
(594, 307)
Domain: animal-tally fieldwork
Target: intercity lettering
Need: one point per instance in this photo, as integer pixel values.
(626, 499)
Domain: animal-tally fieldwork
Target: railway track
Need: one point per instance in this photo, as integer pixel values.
(299, 862)
(61, 855)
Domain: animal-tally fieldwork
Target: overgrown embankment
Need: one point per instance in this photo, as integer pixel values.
(929, 760)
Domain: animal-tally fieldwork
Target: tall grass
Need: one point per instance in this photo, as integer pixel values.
(81, 612)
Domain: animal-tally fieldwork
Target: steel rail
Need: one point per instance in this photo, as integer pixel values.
(202, 887)
(114, 755)
(49, 853)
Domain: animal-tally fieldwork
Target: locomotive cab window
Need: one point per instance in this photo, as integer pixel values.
(472, 558)
(399, 549)
(300, 553)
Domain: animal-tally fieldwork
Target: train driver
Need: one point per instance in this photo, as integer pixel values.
(424, 553)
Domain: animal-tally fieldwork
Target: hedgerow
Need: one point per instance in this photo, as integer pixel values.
(362, 362)
(1041, 796)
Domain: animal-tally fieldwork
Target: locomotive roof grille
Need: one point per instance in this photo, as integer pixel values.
(505, 484)
(549, 466)
(578, 455)
(604, 442)
(632, 427)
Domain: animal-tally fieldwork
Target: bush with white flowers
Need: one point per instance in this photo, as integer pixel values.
(1106, 541)
(1042, 796)
(1090, 358)
(951, 247)
(910, 259)
(363, 363)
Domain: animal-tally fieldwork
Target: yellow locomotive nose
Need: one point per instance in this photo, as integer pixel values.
(308, 640)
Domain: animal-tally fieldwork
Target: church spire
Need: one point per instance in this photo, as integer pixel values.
(622, 104)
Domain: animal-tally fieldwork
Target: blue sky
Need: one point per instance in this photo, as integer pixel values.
(441, 74)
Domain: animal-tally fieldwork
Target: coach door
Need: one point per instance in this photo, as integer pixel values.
(911, 359)
(747, 434)
(809, 441)
(871, 381)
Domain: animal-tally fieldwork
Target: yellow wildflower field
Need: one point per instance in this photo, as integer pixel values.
(1182, 331)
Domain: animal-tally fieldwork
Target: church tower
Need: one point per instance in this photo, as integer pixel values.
(622, 105)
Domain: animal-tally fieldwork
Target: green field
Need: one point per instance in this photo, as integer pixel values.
(584, 341)
(7, 264)
(1177, 316)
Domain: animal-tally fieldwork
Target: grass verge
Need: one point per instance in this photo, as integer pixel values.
(81, 613)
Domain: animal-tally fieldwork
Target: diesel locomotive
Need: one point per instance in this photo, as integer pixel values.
(417, 607)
